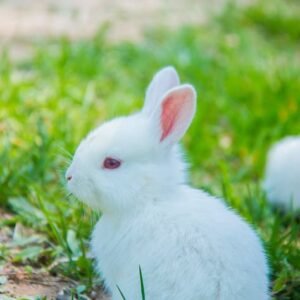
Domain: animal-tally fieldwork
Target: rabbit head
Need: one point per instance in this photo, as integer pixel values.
(129, 160)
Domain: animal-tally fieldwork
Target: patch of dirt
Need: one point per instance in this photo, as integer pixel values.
(38, 283)
(19, 279)
(22, 21)
(77, 18)
(22, 283)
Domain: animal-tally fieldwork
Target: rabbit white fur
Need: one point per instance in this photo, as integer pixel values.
(282, 178)
(189, 245)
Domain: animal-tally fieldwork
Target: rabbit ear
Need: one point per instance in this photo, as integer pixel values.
(175, 113)
(163, 81)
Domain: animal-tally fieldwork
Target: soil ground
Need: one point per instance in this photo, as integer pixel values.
(22, 21)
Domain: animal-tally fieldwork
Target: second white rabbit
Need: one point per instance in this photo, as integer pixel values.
(282, 178)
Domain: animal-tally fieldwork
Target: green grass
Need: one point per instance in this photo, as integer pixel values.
(245, 66)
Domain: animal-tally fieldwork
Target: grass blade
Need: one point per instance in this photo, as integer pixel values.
(122, 295)
(142, 284)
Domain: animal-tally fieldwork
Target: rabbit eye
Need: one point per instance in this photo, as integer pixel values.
(111, 163)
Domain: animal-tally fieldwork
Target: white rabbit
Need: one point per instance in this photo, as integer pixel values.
(189, 245)
(282, 178)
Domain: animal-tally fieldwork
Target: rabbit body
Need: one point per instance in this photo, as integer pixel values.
(189, 245)
(282, 178)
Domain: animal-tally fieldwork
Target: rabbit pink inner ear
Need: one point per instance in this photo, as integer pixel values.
(177, 111)
(170, 113)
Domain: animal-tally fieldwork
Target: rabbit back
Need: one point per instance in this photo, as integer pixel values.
(188, 247)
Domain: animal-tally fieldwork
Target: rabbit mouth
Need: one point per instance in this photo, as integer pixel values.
(84, 192)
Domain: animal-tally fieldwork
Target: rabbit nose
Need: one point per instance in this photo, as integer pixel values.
(69, 174)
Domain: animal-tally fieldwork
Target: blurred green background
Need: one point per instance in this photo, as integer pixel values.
(245, 65)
